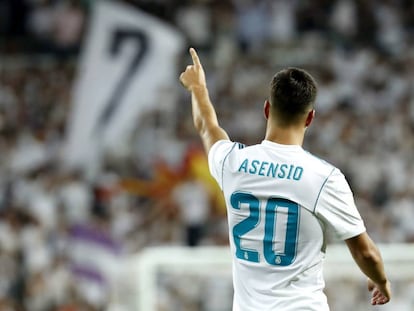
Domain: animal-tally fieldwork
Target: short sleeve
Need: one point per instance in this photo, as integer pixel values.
(336, 207)
(216, 158)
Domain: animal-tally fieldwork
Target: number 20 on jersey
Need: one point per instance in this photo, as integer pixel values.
(281, 218)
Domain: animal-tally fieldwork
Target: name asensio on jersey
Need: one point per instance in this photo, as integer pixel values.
(271, 169)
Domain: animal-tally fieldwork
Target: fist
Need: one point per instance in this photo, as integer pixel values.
(380, 294)
(193, 76)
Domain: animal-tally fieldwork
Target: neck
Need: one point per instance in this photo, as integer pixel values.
(291, 135)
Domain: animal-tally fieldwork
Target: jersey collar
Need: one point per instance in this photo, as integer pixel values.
(281, 146)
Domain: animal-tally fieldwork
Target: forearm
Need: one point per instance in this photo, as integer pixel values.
(205, 118)
(204, 114)
(368, 258)
(371, 264)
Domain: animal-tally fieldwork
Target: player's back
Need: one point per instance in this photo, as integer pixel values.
(277, 242)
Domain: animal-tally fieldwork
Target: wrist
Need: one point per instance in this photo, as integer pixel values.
(199, 88)
(382, 282)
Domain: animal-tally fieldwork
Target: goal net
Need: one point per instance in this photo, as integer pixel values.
(199, 279)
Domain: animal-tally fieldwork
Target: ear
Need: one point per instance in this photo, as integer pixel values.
(266, 109)
(309, 118)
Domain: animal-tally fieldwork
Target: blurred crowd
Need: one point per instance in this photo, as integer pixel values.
(61, 232)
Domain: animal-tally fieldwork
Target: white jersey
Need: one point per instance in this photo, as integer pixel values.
(281, 201)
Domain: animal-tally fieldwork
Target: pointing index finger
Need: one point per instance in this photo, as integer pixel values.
(195, 58)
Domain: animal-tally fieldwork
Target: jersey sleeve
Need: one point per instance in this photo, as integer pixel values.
(336, 207)
(216, 158)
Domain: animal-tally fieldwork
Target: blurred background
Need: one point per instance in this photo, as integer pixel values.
(98, 156)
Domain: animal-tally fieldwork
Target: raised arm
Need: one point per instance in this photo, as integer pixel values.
(204, 114)
(368, 258)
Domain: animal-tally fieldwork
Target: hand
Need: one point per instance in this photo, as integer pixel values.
(193, 76)
(381, 294)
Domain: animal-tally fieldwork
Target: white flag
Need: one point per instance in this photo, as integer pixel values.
(127, 58)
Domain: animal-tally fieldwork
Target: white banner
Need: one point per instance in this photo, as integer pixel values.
(128, 57)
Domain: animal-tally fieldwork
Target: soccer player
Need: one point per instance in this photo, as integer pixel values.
(282, 201)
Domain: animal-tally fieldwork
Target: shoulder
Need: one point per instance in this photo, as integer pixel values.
(333, 174)
(315, 160)
(336, 181)
(335, 190)
(223, 147)
(333, 183)
(218, 155)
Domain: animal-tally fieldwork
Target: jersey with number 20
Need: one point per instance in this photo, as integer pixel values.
(281, 203)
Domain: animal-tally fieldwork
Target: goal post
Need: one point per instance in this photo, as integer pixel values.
(179, 261)
(182, 278)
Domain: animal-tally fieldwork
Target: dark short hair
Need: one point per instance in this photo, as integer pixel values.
(292, 94)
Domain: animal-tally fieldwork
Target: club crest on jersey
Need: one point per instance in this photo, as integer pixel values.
(271, 169)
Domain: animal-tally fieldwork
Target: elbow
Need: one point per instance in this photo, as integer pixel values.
(199, 125)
